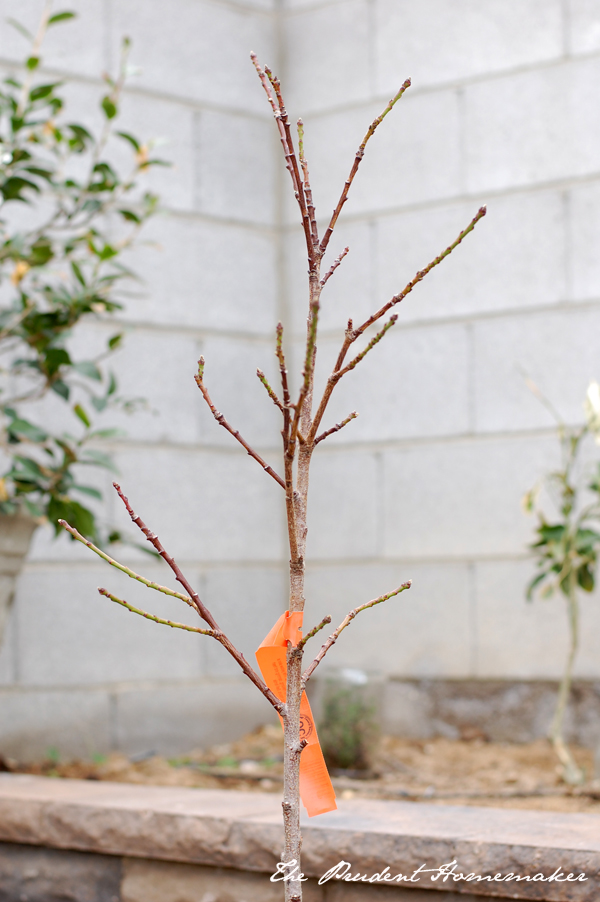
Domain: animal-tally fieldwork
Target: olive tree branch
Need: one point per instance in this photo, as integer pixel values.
(234, 432)
(359, 155)
(180, 626)
(348, 619)
(336, 428)
(334, 266)
(203, 611)
(131, 573)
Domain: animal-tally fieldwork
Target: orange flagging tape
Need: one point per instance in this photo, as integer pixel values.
(316, 791)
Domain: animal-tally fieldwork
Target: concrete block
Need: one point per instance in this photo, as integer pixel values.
(76, 47)
(506, 145)
(313, 39)
(236, 158)
(230, 376)
(528, 640)
(214, 64)
(174, 719)
(204, 274)
(77, 723)
(205, 505)
(246, 602)
(423, 632)
(514, 258)
(583, 26)
(349, 292)
(337, 529)
(78, 637)
(414, 383)
(8, 652)
(58, 875)
(414, 157)
(558, 351)
(436, 42)
(170, 126)
(162, 881)
(407, 710)
(462, 498)
(584, 223)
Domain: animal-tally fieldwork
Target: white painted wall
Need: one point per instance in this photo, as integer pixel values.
(504, 109)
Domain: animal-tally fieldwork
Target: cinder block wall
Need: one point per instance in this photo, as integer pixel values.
(427, 482)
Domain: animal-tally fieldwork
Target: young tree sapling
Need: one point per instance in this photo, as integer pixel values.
(301, 435)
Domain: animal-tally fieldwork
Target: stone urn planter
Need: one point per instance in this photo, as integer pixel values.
(15, 538)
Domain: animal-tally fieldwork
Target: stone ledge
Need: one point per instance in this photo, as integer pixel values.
(243, 831)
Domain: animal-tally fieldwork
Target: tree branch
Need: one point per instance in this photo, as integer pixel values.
(348, 619)
(352, 334)
(359, 155)
(234, 432)
(313, 632)
(201, 608)
(270, 391)
(179, 626)
(131, 573)
(306, 185)
(334, 266)
(336, 428)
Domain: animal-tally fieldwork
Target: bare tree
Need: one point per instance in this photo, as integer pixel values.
(301, 435)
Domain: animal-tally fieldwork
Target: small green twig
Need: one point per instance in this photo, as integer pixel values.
(313, 632)
(127, 570)
(348, 619)
(153, 617)
(336, 428)
(270, 391)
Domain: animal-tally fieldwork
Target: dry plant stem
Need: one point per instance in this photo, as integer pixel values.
(131, 573)
(359, 155)
(202, 610)
(572, 774)
(334, 266)
(336, 428)
(234, 432)
(153, 617)
(347, 619)
(352, 334)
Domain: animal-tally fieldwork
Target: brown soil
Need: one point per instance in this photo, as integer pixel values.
(441, 771)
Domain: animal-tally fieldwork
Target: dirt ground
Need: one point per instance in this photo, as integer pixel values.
(440, 771)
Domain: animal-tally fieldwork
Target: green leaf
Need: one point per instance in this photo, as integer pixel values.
(89, 369)
(106, 433)
(24, 429)
(13, 186)
(98, 459)
(42, 91)
(64, 508)
(54, 358)
(80, 412)
(130, 216)
(61, 388)
(32, 63)
(127, 137)
(21, 29)
(535, 582)
(115, 341)
(61, 17)
(88, 490)
(109, 107)
(77, 272)
(585, 578)
(34, 509)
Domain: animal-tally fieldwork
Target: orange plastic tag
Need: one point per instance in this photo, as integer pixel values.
(316, 791)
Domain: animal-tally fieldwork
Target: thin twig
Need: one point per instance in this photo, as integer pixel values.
(359, 155)
(374, 341)
(127, 570)
(201, 607)
(270, 391)
(348, 619)
(234, 432)
(336, 428)
(179, 626)
(352, 334)
(306, 183)
(313, 632)
(334, 266)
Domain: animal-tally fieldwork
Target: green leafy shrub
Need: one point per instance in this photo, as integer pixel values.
(60, 266)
